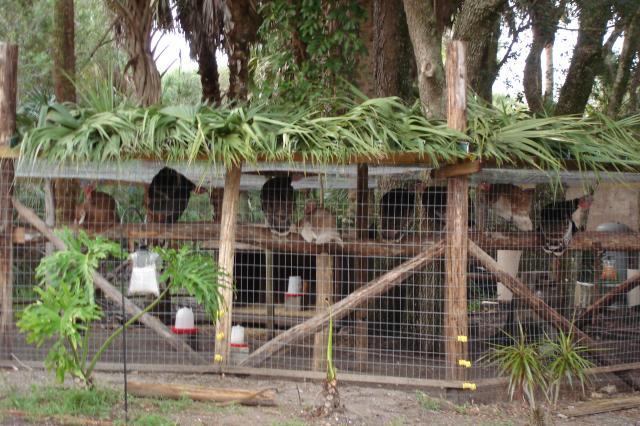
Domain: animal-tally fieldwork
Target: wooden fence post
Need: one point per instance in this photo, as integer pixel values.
(455, 294)
(225, 261)
(324, 292)
(8, 87)
(361, 265)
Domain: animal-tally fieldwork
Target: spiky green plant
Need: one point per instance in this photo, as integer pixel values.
(522, 363)
(567, 362)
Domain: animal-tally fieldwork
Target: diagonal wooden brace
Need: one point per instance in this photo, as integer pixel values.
(342, 308)
(111, 292)
(546, 312)
(622, 288)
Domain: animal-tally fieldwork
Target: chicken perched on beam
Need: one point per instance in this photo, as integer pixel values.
(509, 202)
(278, 203)
(557, 225)
(396, 211)
(98, 211)
(167, 196)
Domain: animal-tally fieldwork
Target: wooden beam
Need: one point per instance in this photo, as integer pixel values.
(342, 308)
(622, 288)
(110, 292)
(324, 298)
(200, 393)
(360, 264)
(8, 89)
(455, 170)
(455, 290)
(547, 313)
(225, 260)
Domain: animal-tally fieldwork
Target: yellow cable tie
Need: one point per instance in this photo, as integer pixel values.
(469, 386)
(464, 363)
(217, 358)
(463, 339)
(220, 336)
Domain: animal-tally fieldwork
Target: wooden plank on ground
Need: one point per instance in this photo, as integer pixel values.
(603, 406)
(200, 393)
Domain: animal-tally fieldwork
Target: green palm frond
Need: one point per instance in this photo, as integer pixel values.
(373, 129)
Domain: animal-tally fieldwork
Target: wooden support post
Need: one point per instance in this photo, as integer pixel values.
(8, 86)
(49, 212)
(339, 310)
(225, 260)
(455, 294)
(268, 277)
(324, 295)
(361, 265)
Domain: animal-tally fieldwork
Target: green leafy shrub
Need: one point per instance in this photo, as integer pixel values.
(66, 307)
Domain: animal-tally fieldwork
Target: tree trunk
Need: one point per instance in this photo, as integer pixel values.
(393, 65)
(241, 23)
(544, 23)
(64, 68)
(629, 49)
(365, 69)
(427, 49)
(137, 18)
(478, 23)
(587, 57)
(632, 105)
(209, 77)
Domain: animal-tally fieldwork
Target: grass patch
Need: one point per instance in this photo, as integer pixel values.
(291, 422)
(426, 402)
(166, 406)
(396, 421)
(219, 409)
(56, 401)
(461, 409)
(152, 420)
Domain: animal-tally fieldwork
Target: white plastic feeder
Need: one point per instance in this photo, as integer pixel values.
(633, 297)
(509, 261)
(185, 322)
(237, 337)
(144, 275)
(583, 294)
(293, 296)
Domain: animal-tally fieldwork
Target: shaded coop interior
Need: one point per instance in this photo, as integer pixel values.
(312, 239)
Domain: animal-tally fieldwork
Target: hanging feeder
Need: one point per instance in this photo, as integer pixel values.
(144, 275)
(293, 296)
(185, 322)
(237, 337)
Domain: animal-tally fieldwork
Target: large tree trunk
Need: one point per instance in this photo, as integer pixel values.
(241, 23)
(393, 65)
(427, 49)
(587, 57)
(544, 22)
(629, 49)
(64, 69)
(478, 23)
(548, 73)
(209, 77)
(137, 17)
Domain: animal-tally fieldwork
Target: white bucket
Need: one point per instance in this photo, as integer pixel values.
(144, 280)
(295, 285)
(237, 335)
(633, 297)
(184, 319)
(583, 294)
(509, 261)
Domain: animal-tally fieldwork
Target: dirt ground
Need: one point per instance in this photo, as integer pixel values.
(363, 405)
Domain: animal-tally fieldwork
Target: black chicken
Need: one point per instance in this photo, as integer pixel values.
(167, 196)
(557, 226)
(396, 210)
(278, 202)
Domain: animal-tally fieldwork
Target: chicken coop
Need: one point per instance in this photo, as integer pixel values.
(407, 248)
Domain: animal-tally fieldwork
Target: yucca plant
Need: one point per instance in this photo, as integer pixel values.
(566, 362)
(522, 363)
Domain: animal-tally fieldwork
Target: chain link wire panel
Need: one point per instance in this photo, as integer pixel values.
(302, 252)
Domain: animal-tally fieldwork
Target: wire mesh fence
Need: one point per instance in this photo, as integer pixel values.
(311, 245)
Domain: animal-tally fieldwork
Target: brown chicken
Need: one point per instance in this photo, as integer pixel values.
(509, 202)
(98, 212)
(318, 225)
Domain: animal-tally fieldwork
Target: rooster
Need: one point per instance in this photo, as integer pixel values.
(167, 196)
(396, 211)
(98, 212)
(278, 202)
(509, 202)
(557, 225)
